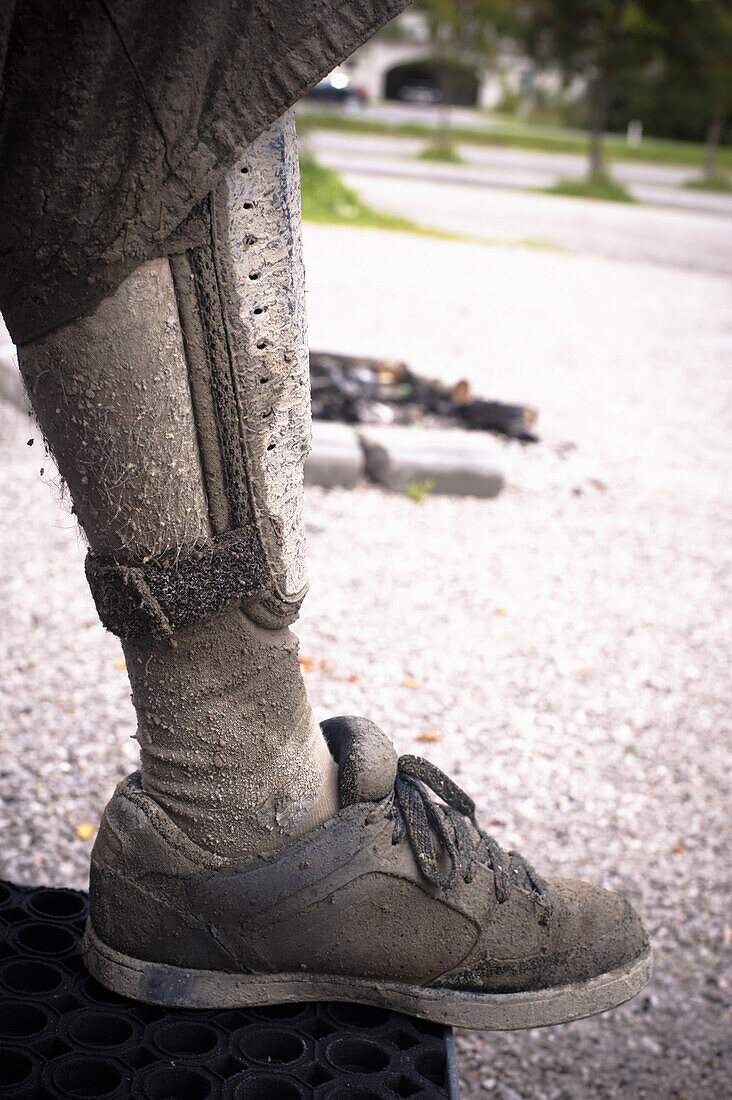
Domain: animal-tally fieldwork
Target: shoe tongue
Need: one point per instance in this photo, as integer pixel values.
(367, 762)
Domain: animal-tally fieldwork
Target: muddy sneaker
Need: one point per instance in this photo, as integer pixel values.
(399, 900)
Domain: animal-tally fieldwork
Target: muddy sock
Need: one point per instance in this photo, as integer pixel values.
(229, 745)
(228, 742)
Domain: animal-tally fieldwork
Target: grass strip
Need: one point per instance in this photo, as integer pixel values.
(545, 139)
(443, 152)
(326, 199)
(598, 187)
(712, 183)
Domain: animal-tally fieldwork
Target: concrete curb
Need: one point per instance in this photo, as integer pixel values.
(336, 457)
(456, 462)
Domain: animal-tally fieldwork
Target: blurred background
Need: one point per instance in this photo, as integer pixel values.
(518, 228)
(623, 85)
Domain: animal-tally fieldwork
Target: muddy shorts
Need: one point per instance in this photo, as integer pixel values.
(118, 117)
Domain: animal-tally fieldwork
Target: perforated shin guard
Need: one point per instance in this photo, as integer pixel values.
(178, 413)
(241, 296)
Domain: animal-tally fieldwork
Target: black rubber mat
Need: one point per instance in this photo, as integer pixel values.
(64, 1035)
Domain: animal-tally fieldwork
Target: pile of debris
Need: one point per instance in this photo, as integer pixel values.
(383, 391)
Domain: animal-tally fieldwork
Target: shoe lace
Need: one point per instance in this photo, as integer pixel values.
(423, 820)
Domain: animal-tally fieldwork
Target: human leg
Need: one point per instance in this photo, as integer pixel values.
(182, 445)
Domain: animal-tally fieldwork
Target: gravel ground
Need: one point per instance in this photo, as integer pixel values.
(561, 650)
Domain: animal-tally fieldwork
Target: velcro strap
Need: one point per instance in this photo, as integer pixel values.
(177, 589)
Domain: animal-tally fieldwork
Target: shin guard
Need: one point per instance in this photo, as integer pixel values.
(179, 413)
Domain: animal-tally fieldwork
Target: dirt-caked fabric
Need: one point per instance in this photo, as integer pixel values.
(118, 116)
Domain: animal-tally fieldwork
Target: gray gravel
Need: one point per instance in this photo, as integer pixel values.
(561, 650)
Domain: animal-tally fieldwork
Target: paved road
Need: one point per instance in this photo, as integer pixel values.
(492, 166)
(696, 240)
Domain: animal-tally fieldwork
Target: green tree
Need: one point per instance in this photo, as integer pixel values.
(704, 55)
(600, 41)
(684, 95)
(610, 44)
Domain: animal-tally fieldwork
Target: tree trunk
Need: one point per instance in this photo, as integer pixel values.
(601, 91)
(601, 99)
(444, 112)
(715, 129)
(444, 121)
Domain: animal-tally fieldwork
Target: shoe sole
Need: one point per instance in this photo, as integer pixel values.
(177, 987)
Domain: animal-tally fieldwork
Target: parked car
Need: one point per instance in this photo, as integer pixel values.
(338, 88)
(419, 91)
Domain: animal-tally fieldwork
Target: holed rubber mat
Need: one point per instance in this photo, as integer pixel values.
(64, 1035)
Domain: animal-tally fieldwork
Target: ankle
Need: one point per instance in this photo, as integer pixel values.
(229, 745)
